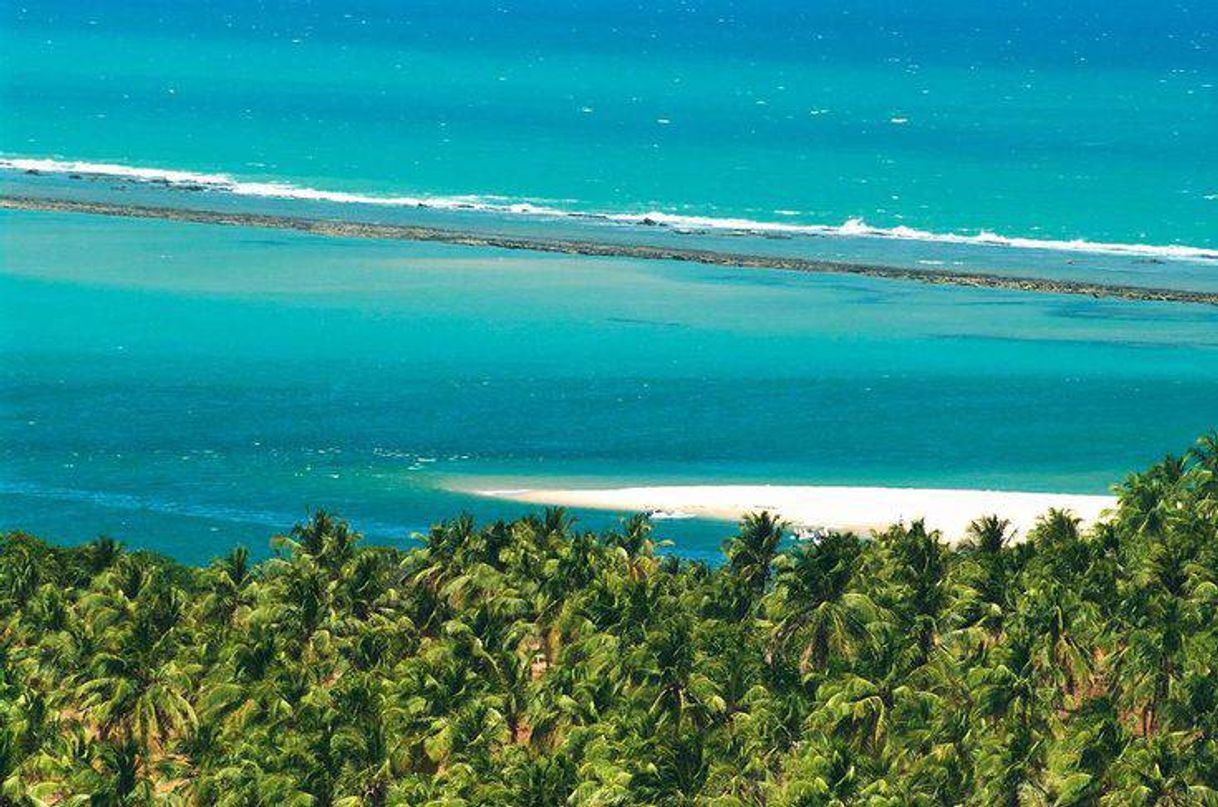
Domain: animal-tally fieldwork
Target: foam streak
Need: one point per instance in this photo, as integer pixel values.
(852, 228)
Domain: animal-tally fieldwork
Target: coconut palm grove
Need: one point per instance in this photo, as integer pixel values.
(531, 663)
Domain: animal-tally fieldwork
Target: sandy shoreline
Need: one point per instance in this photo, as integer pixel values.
(843, 508)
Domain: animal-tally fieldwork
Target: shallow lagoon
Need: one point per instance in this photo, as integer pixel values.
(186, 387)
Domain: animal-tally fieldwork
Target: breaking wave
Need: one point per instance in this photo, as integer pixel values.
(852, 228)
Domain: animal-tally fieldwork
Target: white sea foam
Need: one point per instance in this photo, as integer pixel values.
(851, 228)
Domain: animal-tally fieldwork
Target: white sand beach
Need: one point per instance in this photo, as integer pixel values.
(842, 508)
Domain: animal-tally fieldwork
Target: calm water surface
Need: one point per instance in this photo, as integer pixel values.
(187, 387)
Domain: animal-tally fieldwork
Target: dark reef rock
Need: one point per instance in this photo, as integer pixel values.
(402, 232)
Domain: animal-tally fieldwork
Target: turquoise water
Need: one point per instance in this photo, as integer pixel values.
(189, 386)
(1049, 120)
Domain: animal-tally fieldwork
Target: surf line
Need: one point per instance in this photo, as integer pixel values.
(405, 232)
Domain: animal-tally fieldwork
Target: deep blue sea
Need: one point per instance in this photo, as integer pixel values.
(1088, 119)
(186, 387)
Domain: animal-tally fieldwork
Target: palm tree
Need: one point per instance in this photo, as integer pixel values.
(1062, 626)
(826, 772)
(1160, 616)
(1145, 500)
(372, 756)
(814, 604)
(526, 663)
(858, 710)
(231, 577)
(1204, 456)
(667, 672)
(752, 551)
(120, 781)
(635, 537)
(1009, 687)
(101, 554)
(1156, 771)
(985, 573)
(541, 781)
(670, 771)
(913, 563)
(22, 575)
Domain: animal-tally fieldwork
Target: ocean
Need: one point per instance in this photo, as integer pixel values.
(185, 387)
(1086, 120)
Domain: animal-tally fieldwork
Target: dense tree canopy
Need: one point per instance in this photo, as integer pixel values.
(530, 663)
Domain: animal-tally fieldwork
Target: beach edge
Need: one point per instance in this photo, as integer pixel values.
(818, 508)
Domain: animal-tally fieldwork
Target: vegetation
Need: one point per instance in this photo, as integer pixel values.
(533, 664)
